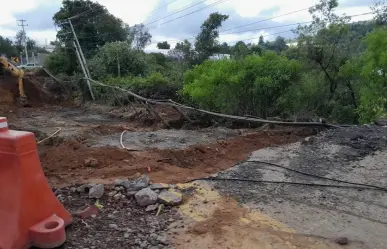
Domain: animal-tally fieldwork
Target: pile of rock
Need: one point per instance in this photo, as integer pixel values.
(150, 195)
(146, 194)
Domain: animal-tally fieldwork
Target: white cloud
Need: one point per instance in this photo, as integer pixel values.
(137, 13)
(131, 13)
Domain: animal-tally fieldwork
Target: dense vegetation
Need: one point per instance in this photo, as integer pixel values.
(336, 70)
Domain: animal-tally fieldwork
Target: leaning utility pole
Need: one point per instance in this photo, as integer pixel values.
(83, 69)
(80, 49)
(25, 36)
(81, 59)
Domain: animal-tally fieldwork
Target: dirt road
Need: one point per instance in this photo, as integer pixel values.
(224, 214)
(355, 154)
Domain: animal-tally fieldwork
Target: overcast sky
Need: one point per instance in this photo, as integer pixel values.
(38, 14)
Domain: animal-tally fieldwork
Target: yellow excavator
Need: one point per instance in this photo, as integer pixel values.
(17, 72)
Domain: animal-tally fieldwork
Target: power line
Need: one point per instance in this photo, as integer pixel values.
(278, 26)
(267, 19)
(175, 40)
(161, 7)
(174, 13)
(286, 25)
(193, 12)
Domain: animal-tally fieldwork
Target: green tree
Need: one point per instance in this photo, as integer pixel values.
(183, 51)
(59, 62)
(163, 45)
(325, 45)
(139, 36)
(240, 50)
(261, 41)
(116, 57)
(7, 47)
(380, 9)
(373, 71)
(224, 48)
(256, 49)
(278, 45)
(206, 42)
(93, 24)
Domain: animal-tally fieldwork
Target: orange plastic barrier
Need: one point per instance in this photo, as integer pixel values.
(30, 214)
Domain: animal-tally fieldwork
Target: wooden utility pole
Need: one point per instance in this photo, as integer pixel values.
(82, 60)
(80, 49)
(84, 70)
(25, 36)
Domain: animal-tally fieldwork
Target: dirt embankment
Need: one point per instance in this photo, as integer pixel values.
(33, 87)
(68, 162)
(6, 101)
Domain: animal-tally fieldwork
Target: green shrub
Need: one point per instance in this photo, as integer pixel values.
(252, 85)
(155, 86)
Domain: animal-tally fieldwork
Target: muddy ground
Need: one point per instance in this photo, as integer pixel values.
(356, 154)
(215, 214)
(167, 155)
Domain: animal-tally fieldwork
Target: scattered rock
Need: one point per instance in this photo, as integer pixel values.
(139, 183)
(342, 241)
(83, 189)
(113, 193)
(170, 197)
(131, 193)
(73, 190)
(144, 244)
(91, 162)
(117, 196)
(151, 208)
(113, 226)
(126, 235)
(309, 140)
(162, 240)
(146, 197)
(159, 186)
(87, 212)
(96, 191)
(133, 185)
(121, 182)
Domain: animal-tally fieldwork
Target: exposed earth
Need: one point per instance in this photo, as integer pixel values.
(86, 148)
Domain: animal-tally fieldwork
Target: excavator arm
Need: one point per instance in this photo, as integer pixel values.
(17, 72)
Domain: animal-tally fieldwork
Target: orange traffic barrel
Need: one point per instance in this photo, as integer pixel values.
(30, 214)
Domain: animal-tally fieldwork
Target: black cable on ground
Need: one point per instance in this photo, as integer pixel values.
(317, 176)
(283, 182)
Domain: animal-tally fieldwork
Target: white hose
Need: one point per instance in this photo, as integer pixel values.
(53, 134)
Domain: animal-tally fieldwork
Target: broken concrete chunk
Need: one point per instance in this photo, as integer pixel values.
(151, 208)
(96, 190)
(146, 197)
(121, 182)
(131, 193)
(139, 183)
(133, 185)
(159, 186)
(84, 189)
(171, 197)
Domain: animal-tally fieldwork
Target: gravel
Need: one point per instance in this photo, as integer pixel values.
(120, 223)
